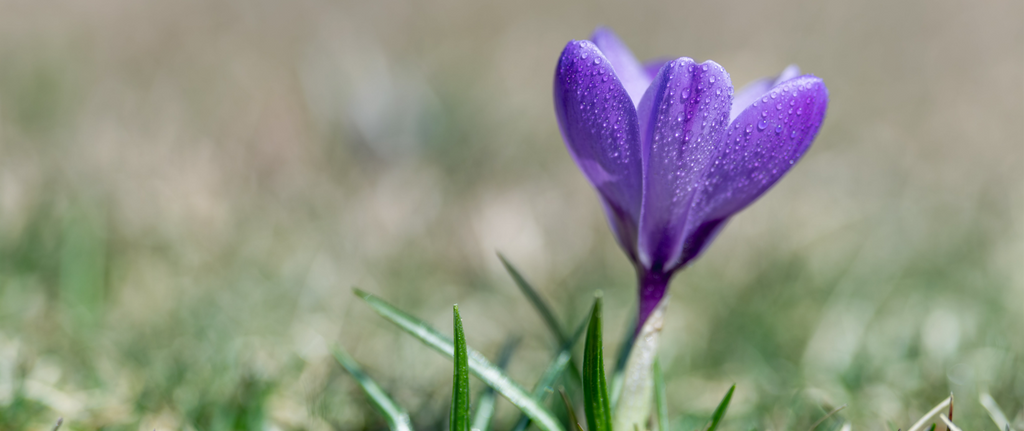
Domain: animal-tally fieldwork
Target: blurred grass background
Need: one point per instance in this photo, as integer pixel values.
(189, 189)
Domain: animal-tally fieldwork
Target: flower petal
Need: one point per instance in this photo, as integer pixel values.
(754, 90)
(600, 129)
(683, 117)
(630, 72)
(762, 144)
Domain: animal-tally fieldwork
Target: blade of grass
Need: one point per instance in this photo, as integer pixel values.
(595, 390)
(485, 402)
(541, 306)
(398, 419)
(834, 411)
(660, 402)
(994, 411)
(478, 365)
(949, 423)
(934, 411)
(458, 415)
(538, 303)
(719, 413)
(555, 369)
(570, 410)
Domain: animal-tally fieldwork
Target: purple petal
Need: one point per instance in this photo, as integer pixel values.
(762, 144)
(630, 72)
(600, 129)
(683, 117)
(754, 90)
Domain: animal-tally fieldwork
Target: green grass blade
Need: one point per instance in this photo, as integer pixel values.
(570, 410)
(478, 365)
(660, 402)
(458, 415)
(719, 413)
(396, 416)
(486, 401)
(555, 369)
(595, 390)
(542, 306)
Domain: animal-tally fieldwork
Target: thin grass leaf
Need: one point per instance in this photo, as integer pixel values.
(949, 423)
(834, 411)
(719, 413)
(458, 414)
(485, 402)
(478, 365)
(398, 419)
(660, 402)
(538, 303)
(934, 411)
(555, 369)
(932, 428)
(542, 308)
(595, 390)
(994, 411)
(570, 410)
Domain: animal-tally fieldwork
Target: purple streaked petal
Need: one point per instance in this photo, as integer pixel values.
(762, 144)
(630, 72)
(683, 117)
(600, 128)
(754, 90)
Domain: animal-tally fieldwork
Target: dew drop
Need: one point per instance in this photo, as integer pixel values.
(710, 78)
(597, 61)
(750, 128)
(764, 114)
(793, 134)
(685, 93)
(705, 68)
(584, 55)
(762, 125)
(778, 106)
(778, 128)
(774, 95)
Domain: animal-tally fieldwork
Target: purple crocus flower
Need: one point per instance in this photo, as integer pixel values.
(672, 151)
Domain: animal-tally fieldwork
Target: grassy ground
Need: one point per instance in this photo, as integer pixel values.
(189, 190)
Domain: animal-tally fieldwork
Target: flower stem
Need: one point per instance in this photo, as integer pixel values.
(652, 287)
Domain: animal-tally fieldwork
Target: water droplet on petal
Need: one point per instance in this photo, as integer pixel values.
(762, 125)
(778, 128)
(597, 61)
(710, 78)
(705, 68)
(750, 128)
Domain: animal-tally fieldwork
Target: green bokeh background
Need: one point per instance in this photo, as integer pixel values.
(189, 190)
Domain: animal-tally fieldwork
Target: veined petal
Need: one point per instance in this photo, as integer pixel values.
(600, 128)
(630, 72)
(683, 117)
(762, 144)
(754, 90)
